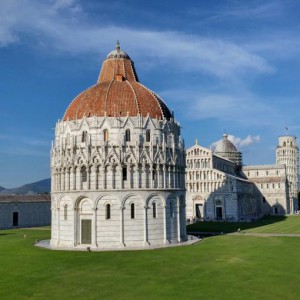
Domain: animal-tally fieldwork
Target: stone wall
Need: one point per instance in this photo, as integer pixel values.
(17, 211)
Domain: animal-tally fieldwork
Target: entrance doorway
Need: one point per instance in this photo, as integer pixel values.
(199, 211)
(86, 231)
(15, 218)
(219, 213)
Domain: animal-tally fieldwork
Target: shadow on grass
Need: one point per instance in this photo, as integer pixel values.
(208, 228)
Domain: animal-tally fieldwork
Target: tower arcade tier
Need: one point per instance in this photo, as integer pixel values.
(287, 153)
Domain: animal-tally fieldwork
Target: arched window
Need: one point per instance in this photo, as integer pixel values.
(127, 135)
(154, 209)
(84, 136)
(65, 212)
(132, 211)
(107, 211)
(148, 135)
(105, 135)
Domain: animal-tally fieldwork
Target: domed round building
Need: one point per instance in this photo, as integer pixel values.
(117, 166)
(226, 149)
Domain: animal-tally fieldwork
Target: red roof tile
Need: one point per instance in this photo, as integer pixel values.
(117, 93)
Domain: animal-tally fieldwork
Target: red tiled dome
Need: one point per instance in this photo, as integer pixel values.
(117, 93)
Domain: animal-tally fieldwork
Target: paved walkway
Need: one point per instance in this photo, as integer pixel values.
(265, 234)
(46, 244)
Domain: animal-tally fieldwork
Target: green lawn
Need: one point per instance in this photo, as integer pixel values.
(221, 267)
(271, 224)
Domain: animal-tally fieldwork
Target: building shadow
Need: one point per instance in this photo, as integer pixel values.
(209, 228)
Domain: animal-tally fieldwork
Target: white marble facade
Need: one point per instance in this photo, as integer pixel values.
(117, 182)
(220, 188)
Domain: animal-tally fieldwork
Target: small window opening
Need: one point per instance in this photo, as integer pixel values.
(84, 136)
(66, 212)
(124, 173)
(127, 135)
(132, 211)
(148, 135)
(154, 209)
(154, 174)
(83, 174)
(107, 211)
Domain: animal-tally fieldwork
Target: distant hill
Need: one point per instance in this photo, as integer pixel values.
(2, 188)
(39, 187)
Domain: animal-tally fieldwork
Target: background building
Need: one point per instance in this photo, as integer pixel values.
(24, 211)
(287, 153)
(219, 187)
(117, 166)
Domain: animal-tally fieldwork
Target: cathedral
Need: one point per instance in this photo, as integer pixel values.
(220, 187)
(117, 166)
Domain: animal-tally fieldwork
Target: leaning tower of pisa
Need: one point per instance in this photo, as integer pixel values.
(287, 153)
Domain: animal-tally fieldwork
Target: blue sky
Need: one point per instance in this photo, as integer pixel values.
(222, 66)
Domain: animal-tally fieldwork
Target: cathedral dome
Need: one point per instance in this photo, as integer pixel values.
(117, 93)
(227, 150)
(225, 146)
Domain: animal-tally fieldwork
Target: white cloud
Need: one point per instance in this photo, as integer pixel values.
(250, 140)
(32, 17)
(63, 26)
(70, 4)
(59, 25)
(233, 107)
(252, 9)
(239, 142)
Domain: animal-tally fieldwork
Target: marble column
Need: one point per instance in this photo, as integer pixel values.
(122, 226)
(146, 226)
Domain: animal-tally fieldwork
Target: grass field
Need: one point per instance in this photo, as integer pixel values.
(220, 267)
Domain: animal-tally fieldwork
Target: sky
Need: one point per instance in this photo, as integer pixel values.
(230, 66)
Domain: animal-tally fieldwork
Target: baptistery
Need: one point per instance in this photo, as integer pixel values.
(117, 166)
